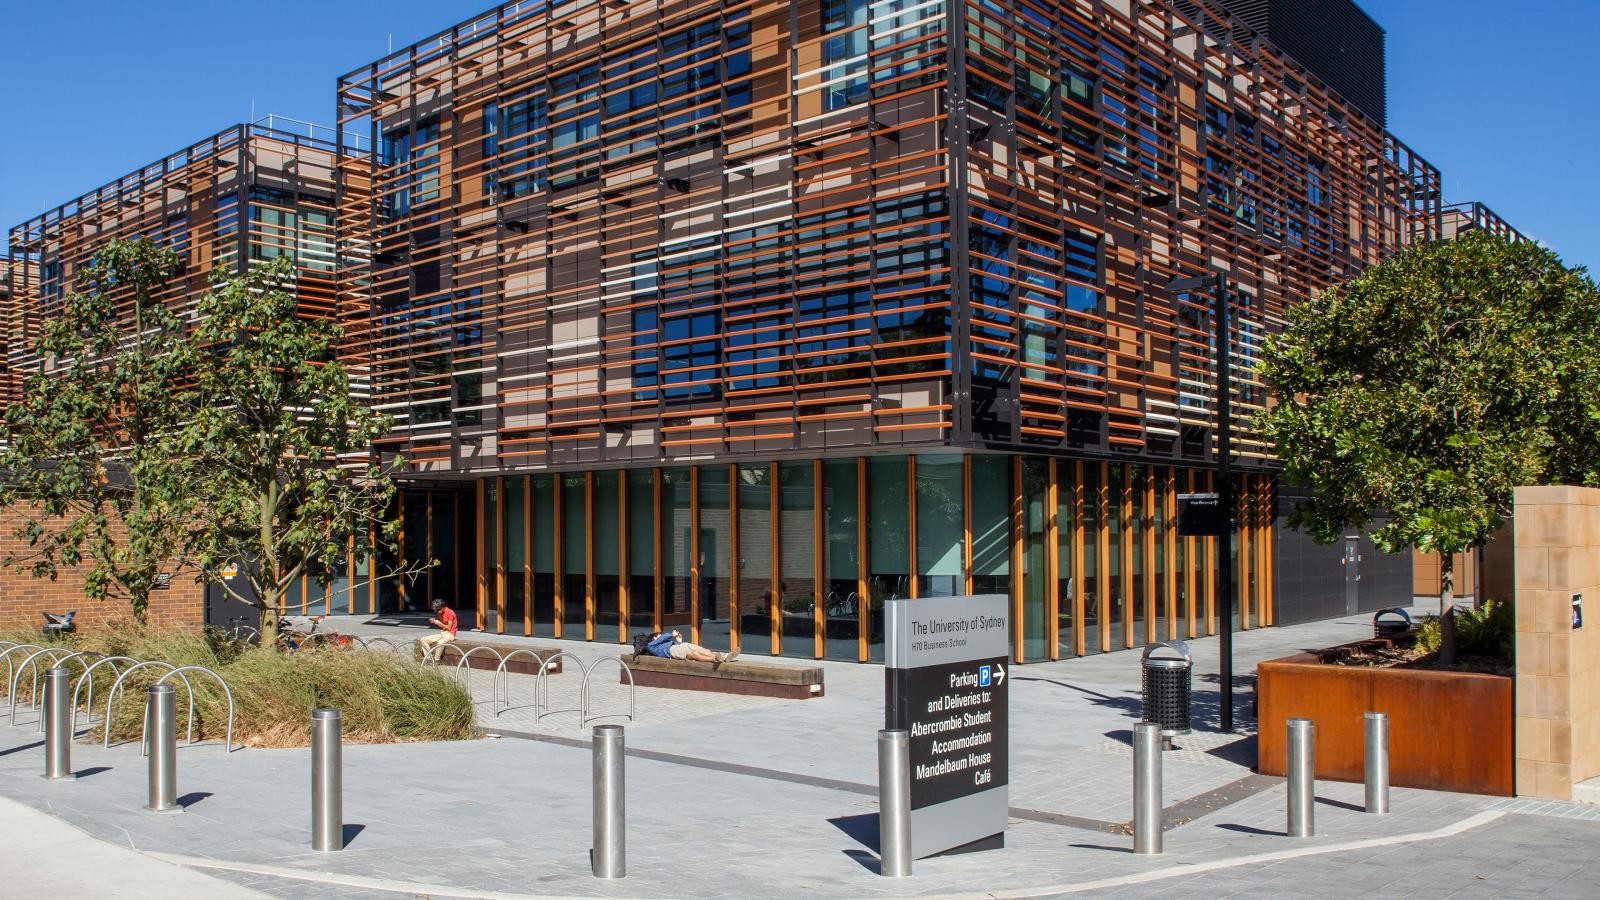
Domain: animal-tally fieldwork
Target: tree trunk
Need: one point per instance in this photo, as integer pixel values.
(1447, 609)
(269, 625)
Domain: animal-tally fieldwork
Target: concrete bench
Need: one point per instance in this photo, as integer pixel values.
(754, 679)
(524, 664)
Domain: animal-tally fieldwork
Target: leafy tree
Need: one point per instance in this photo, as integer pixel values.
(89, 461)
(288, 486)
(1431, 386)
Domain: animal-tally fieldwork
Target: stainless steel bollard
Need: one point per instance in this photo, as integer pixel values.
(1147, 788)
(1302, 777)
(57, 726)
(894, 803)
(610, 852)
(1377, 733)
(327, 780)
(162, 720)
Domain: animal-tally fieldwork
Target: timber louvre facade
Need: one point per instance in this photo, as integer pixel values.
(748, 316)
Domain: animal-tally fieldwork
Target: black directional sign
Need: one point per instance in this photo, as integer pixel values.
(947, 685)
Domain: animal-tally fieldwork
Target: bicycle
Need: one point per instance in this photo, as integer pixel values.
(291, 639)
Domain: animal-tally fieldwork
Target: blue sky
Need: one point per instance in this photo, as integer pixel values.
(1503, 97)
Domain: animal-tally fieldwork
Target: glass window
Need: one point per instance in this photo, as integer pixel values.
(675, 543)
(1068, 555)
(888, 541)
(1035, 521)
(544, 557)
(641, 551)
(991, 524)
(516, 560)
(607, 555)
(574, 568)
(754, 492)
(940, 501)
(796, 555)
(715, 543)
(843, 568)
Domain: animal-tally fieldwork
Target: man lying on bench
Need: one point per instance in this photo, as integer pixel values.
(671, 645)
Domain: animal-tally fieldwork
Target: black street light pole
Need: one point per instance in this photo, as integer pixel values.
(1224, 456)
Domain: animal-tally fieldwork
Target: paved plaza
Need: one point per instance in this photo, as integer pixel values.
(738, 796)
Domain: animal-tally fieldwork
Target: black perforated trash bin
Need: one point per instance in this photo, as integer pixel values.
(1168, 671)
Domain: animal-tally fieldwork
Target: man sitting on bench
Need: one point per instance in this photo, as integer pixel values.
(671, 645)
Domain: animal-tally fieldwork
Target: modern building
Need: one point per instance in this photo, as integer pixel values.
(1459, 218)
(746, 318)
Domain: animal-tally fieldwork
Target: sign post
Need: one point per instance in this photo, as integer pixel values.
(946, 685)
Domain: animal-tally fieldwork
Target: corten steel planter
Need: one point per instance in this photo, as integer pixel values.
(1448, 731)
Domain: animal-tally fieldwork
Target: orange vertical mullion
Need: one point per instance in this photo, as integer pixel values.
(400, 553)
(1191, 569)
(1125, 542)
(1242, 508)
(1209, 568)
(428, 545)
(966, 523)
(499, 554)
(1147, 551)
(1052, 566)
(1268, 552)
(350, 573)
(1169, 538)
(734, 637)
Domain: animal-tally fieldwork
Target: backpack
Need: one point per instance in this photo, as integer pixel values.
(641, 643)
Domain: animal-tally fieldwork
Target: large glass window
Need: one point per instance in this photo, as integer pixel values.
(754, 494)
(1092, 564)
(716, 539)
(1035, 589)
(940, 503)
(1066, 556)
(797, 542)
(843, 515)
(544, 556)
(888, 541)
(574, 568)
(516, 561)
(607, 555)
(641, 551)
(1116, 484)
(676, 526)
(991, 524)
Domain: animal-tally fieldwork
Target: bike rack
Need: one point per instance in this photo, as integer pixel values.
(502, 678)
(116, 685)
(227, 746)
(34, 701)
(541, 689)
(462, 662)
(88, 706)
(587, 671)
(255, 633)
(11, 670)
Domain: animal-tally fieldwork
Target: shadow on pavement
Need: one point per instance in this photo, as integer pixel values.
(863, 829)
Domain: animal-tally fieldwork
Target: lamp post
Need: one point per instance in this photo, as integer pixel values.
(1218, 282)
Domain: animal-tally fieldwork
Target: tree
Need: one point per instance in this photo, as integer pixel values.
(1431, 386)
(89, 461)
(288, 486)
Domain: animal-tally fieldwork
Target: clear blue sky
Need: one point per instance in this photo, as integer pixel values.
(1503, 97)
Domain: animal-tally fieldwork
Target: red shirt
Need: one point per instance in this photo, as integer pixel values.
(448, 617)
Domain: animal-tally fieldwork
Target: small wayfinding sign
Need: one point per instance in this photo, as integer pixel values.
(947, 684)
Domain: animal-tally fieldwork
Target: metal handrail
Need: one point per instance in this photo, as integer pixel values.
(632, 690)
(502, 679)
(34, 701)
(541, 688)
(116, 685)
(88, 706)
(227, 745)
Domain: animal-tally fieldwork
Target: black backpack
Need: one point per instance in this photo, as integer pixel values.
(641, 643)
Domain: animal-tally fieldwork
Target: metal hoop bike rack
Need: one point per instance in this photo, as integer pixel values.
(11, 667)
(88, 705)
(462, 663)
(227, 746)
(589, 670)
(255, 633)
(34, 700)
(117, 685)
(541, 689)
(502, 678)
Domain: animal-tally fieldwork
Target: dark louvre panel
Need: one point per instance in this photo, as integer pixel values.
(1334, 39)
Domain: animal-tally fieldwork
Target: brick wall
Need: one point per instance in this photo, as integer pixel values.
(24, 599)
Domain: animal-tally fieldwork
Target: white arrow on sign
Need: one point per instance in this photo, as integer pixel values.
(999, 674)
